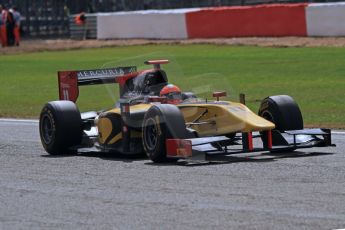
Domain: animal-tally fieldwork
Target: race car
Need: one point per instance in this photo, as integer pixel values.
(143, 122)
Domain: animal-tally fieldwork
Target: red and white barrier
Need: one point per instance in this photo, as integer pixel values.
(326, 19)
(242, 21)
(153, 24)
(263, 20)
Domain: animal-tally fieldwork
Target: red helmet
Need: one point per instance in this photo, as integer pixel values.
(172, 93)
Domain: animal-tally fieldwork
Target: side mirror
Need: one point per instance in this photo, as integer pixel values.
(219, 94)
(156, 63)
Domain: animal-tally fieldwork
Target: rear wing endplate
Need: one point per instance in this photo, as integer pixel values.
(69, 81)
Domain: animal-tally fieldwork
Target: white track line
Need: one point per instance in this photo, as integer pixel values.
(18, 120)
(36, 121)
(338, 132)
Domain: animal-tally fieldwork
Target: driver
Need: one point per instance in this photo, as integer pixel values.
(172, 93)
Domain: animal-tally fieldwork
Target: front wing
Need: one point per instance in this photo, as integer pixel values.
(274, 141)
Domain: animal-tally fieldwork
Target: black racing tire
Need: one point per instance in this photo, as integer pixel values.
(231, 136)
(162, 122)
(60, 127)
(283, 111)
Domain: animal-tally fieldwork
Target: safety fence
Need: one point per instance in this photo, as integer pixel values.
(50, 18)
(41, 18)
(90, 6)
(218, 22)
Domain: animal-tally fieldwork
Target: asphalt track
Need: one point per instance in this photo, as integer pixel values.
(305, 190)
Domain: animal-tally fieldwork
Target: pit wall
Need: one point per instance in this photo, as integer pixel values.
(325, 19)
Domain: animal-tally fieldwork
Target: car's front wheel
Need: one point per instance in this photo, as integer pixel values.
(283, 111)
(161, 122)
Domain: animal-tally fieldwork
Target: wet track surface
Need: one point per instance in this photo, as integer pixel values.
(304, 190)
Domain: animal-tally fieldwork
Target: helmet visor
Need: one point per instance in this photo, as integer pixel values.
(174, 96)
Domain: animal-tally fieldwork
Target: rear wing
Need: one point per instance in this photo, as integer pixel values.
(69, 81)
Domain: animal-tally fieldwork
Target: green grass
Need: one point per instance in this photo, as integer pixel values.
(315, 77)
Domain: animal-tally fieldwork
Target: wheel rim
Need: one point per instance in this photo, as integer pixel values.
(151, 134)
(268, 116)
(47, 129)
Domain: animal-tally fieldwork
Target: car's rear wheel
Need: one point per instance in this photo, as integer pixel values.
(60, 127)
(161, 122)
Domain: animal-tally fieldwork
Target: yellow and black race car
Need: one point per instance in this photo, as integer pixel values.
(142, 121)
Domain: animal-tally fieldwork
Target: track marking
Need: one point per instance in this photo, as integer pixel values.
(12, 120)
(18, 120)
(338, 133)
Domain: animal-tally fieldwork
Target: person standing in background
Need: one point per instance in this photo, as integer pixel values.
(1, 23)
(10, 24)
(16, 31)
(3, 32)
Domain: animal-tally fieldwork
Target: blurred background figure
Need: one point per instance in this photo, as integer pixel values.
(80, 19)
(3, 33)
(10, 24)
(16, 31)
